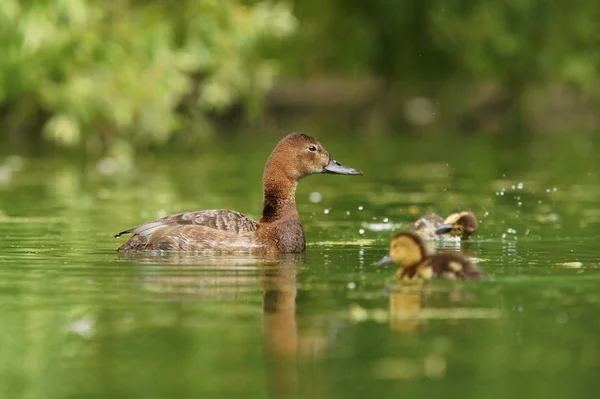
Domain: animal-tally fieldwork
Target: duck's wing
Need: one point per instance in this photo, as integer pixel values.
(218, 219)
(192, 238)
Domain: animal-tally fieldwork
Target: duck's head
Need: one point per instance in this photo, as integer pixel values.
(299, 155)
(459, 224)
(406, 249)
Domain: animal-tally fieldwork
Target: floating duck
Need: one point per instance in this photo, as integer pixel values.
(278, 231)
(460, 224)
(408, 250)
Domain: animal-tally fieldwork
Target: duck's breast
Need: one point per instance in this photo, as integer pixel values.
(286, 236)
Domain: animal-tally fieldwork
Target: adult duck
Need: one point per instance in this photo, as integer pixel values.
(279, 229)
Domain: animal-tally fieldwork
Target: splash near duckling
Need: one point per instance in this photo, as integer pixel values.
(220, 230)
(408, 250)
(458, 225)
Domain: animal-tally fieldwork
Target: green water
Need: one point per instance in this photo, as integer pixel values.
(79, 320)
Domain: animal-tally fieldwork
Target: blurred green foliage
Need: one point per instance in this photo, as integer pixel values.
(532, 40)
(110, 75)
(443, 48)
(122, 74)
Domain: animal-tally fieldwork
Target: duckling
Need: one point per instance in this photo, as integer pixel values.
(279, 230)
(459, 224)
(408, 250)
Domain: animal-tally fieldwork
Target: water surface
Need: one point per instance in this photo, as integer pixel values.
(80, 320)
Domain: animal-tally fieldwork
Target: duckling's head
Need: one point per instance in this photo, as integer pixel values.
(406, 249)
(299, 155)
(459, 224)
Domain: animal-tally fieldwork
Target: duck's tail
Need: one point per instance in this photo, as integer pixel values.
(123, 232)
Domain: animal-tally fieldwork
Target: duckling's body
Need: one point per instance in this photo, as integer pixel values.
(426, 225)
(408, 250)
(459, 225)
(279, 230)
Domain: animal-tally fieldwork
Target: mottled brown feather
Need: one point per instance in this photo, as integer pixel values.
(440, 266)
(426, 224)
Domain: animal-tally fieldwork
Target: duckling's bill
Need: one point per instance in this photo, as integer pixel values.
(337, 168)
(385, 260)
(443, 228)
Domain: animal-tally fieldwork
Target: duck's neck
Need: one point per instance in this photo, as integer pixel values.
(279, 201)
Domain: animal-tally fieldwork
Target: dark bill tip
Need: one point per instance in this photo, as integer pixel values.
(385, 260)
(443, 228)
(335, 167)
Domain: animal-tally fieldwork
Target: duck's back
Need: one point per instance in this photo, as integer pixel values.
(452, 266)
(215, 229)
(446, 265)
(427, 224)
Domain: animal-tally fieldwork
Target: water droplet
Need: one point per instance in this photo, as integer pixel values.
(315, 197)
(562, 318)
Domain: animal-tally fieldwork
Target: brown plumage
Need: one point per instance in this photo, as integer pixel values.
(279, 230)
(460, 224)
(408, 250)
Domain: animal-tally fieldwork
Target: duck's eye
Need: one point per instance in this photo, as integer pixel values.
(312, 147)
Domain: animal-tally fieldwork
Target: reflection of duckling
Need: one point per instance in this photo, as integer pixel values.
(404, 310)
(408, 250)
(459, 224)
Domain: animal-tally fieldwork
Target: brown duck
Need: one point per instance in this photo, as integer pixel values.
(279, 229)
(460, 224)
(408, 250)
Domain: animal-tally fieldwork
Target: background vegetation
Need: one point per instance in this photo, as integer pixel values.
(116, 76)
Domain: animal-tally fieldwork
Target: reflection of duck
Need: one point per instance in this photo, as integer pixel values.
(236, 278)
(408, 250)
(460, 224)
(279, 230)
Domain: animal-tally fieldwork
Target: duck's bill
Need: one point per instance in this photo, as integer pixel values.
(443, 228)
(335, 167)
(385, 260)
